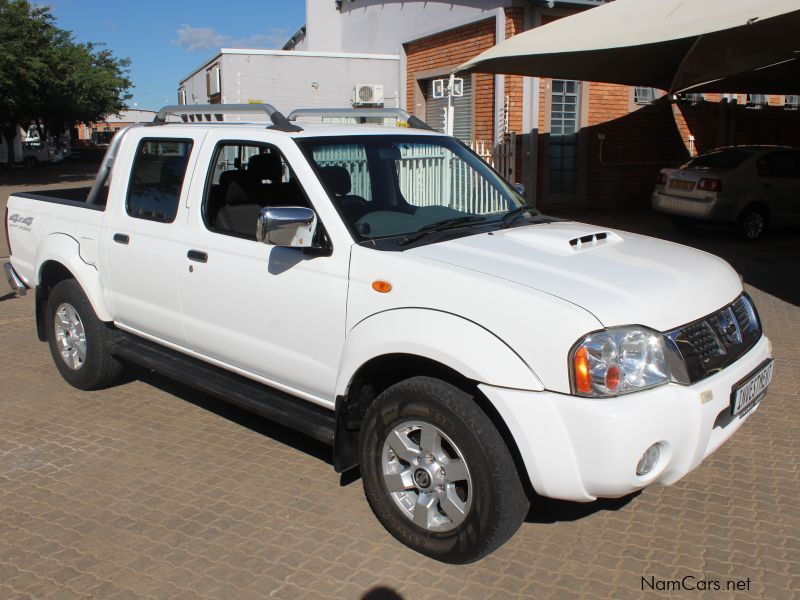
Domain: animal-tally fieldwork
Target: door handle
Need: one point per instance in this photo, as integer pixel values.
(197, 256)
(121, 238)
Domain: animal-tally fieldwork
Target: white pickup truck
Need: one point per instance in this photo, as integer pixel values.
(383, 290)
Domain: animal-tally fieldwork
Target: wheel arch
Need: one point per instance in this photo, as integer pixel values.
(380, 373)
(59, 259)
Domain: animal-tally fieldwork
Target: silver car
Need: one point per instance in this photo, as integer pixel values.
(746, 186)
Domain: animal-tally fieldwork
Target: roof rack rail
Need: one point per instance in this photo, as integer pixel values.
(279, 121)
(363, 114)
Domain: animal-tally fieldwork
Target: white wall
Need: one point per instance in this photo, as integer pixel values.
(382, 26)
(290, 80)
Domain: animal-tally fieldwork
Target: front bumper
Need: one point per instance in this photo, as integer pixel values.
(581, 449)
(14, 280)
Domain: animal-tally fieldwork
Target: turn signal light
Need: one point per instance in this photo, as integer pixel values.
(382, 287)
(583, 382)
(661, 179)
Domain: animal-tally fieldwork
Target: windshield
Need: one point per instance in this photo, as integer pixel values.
(730, 158)
(397, 185)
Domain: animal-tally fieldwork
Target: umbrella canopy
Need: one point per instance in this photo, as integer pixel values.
(674, 45)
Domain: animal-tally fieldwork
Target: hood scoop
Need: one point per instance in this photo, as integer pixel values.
(592, 240)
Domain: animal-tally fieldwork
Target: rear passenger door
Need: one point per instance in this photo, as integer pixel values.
(274, 314)
(142, 230)
(779, 176)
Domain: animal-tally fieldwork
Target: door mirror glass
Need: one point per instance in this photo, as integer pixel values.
(288, 226)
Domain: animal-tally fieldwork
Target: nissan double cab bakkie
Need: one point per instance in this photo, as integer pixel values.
(383, 290)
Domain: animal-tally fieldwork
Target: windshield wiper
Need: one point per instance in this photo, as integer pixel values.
(439, 226)
(512, 215)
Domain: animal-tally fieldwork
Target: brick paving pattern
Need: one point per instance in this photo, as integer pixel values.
(150, 489)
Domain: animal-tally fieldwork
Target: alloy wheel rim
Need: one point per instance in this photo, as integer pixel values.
(426, 476)
(753, 225)
(70, 336)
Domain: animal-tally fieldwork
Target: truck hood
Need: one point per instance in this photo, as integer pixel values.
(621, 278)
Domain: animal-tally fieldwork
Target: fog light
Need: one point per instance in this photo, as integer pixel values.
(648, 460)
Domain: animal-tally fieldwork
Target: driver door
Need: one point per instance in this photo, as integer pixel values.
(271, 313)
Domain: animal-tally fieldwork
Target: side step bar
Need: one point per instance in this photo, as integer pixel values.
(296, 413)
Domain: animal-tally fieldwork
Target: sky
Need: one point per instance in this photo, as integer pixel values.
(168, 39)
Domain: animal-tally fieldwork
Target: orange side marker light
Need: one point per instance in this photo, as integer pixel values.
(583, 383)
(382, 287)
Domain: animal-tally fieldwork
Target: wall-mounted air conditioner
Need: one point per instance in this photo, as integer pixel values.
(368, 94)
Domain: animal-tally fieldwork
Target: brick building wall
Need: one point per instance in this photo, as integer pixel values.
(619, 171)
(454, 47)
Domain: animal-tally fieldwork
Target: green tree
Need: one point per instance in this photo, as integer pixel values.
(48, 78)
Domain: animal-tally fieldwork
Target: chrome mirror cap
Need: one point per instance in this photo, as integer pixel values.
(288, 226)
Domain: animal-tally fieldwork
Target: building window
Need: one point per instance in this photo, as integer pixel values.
(756, 101)
(692, 98)
(213, 83)
(792, 103)
(563, 150)
(644, 95)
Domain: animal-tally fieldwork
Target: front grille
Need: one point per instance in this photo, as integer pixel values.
(717, 340)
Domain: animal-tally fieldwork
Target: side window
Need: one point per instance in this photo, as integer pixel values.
(243, 178)
(779, 164)
(344, 168)
(156, 179)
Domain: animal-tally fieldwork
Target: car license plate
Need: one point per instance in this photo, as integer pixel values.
(748, 392)
(680, 184)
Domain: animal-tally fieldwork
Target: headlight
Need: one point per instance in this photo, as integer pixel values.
(618, 361)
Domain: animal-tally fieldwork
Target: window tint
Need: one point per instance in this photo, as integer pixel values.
(243, 178)
(156, 179)
(779, 164)
(720, 159)
(347, 157)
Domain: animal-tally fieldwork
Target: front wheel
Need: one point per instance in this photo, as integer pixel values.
(437, 473)
(78, 339)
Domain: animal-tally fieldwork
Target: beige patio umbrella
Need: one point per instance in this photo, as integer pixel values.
(674, 45)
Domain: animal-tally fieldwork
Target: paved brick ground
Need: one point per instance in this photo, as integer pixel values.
(150, 489)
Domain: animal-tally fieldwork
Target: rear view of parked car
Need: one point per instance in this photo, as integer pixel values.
(749, 187)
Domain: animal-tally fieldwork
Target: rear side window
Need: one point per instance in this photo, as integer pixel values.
(779, 164)
(156, 180)
(720, 159)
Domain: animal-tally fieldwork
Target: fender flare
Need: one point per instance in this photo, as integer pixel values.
(456, 342)
(65, 250)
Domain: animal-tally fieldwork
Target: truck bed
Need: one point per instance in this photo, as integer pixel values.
(36, 216)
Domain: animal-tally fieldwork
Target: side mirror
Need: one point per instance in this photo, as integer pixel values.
(288, 226)
(520, 188)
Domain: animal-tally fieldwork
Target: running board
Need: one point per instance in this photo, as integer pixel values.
(295, 413)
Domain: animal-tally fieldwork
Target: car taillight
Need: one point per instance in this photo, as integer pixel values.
(710, 184)
(8, 237)
(661, 179)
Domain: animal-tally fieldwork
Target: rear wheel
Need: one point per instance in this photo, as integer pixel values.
(751, 224)
(78, 339)
(437, 473)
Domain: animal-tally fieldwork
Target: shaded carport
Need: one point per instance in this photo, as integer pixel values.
(726, 46)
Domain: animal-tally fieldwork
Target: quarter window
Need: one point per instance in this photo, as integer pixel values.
(157, 178)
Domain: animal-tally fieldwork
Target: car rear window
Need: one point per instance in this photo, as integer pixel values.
(721, 159)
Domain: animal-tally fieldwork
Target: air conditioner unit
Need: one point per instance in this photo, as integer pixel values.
(368, 94)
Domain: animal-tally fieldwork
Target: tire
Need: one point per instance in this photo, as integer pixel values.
(31, 162)
(751, 224)
(475, 507)
(78, 339)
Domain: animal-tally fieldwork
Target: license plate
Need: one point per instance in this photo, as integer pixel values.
(748, 392)
(680, 184)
